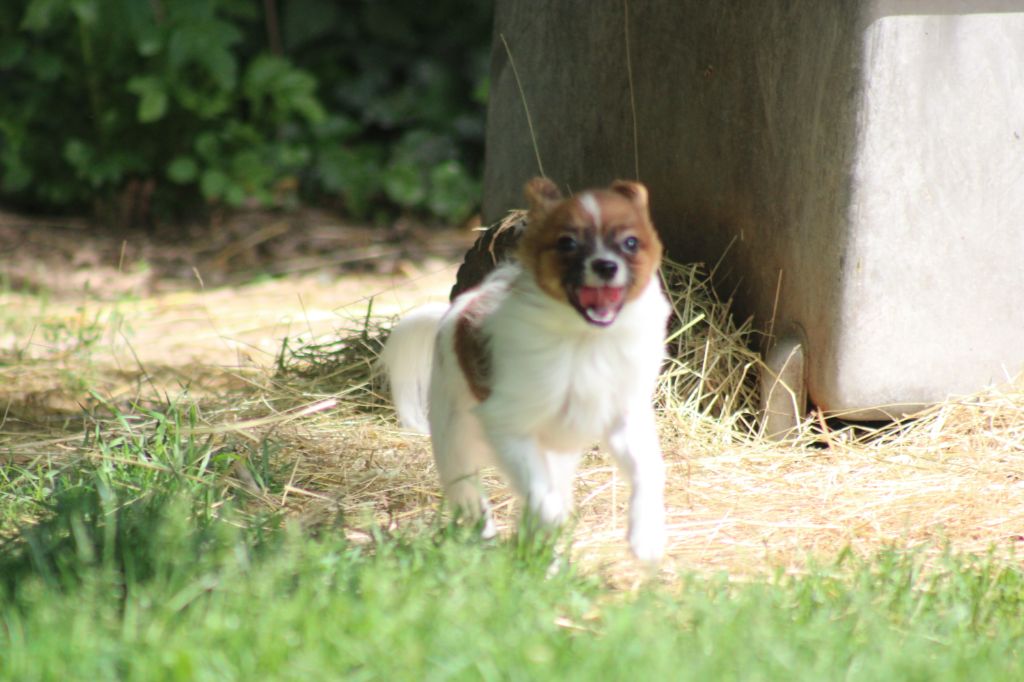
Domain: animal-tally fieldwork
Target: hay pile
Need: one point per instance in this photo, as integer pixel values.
(736, 501)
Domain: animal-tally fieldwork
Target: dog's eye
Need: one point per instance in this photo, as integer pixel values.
(565, 244)
(630, 244)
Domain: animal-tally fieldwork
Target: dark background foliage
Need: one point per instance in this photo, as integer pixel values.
(140, 110)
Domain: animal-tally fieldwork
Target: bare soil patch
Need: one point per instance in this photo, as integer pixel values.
(91, 320)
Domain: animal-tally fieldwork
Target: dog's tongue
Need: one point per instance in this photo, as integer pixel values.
(600, 297)
(600, 304)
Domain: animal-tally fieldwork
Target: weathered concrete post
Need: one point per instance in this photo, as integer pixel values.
(858, 165)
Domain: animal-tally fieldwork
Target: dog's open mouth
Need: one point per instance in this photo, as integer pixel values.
(600, 305)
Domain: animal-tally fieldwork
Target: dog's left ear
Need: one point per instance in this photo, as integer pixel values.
(542, 194)
(635, 192)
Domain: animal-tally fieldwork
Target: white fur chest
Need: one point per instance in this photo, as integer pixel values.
(567, 381)
(602, 379)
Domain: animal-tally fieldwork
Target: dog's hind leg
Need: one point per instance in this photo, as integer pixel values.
(459, 453)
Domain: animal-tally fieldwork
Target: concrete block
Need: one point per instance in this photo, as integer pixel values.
(858, 167)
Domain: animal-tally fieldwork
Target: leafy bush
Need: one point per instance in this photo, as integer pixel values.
(235, 102)
(406, 89)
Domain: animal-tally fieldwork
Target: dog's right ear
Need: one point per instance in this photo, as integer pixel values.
(542, 194)
(635, 192)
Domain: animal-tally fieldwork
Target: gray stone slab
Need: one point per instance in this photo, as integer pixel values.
(857, 167)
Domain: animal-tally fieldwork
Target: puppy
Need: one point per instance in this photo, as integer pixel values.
(545, 357)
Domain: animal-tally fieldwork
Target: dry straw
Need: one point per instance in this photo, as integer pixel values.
(954, 475)
(736, 501)
(951, 478)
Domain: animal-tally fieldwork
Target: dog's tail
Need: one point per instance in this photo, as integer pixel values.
(407, 358)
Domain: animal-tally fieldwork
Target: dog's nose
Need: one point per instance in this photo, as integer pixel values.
(605, 269)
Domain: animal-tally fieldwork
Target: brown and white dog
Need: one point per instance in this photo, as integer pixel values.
(545, 357)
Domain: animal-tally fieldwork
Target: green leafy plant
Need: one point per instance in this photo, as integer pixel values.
(406, 89)
(164, 105)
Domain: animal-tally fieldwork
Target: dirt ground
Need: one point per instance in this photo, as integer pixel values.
(86, 314)
(224, 297)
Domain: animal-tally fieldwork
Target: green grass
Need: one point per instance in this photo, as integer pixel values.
(143, 563)
(137, 543)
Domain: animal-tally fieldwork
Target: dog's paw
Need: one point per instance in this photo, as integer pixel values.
(552, 509)
(647, 540)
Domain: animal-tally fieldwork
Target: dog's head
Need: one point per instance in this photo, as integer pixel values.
(596, 250)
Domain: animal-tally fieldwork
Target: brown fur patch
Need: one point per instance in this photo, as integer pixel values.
(471, 345)
(474, 361)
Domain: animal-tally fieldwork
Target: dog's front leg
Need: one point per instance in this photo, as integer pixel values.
(633, 442)
(525, 467)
